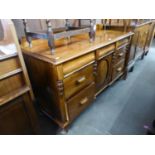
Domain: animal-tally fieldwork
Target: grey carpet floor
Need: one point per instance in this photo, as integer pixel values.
(123, 108)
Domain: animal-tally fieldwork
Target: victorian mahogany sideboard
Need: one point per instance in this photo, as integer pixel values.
(66, 82)
(17, 115)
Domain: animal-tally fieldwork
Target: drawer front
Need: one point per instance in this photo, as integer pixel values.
(105, 50)
(119, 55)
(122, 42)
(79, 102)
(75, 64)
(10, 84)
(77, 81)
(118, 70)
(9, 65)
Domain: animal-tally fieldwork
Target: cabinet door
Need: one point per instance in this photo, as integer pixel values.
(149, 37)
(15, 117)
(104, 72)
(133, 47)
(142, 38)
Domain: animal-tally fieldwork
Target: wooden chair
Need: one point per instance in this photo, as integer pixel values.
(51, 34)
(122, 24)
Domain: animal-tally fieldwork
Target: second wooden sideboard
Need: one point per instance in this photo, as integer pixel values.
(67, 82)
(143, 34)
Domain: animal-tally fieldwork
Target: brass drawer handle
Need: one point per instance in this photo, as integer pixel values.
(82, 79)
(84, 101)
(121, 54)
(119, 69)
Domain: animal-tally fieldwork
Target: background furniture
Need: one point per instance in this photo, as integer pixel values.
(143, 34)
(17, 115)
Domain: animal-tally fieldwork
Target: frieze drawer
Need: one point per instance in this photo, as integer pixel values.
(75, 64)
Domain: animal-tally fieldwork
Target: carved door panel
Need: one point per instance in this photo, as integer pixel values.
(140, 44)
(104, 72)
(142, 38)
(133, 47)
(149, 37)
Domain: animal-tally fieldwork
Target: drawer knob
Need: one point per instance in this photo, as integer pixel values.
(121, 54)
(82, 79)
(84, 101)
(119, 69)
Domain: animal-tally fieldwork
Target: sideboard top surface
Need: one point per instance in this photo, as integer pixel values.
(69, 49)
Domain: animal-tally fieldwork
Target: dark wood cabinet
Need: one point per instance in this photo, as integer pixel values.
(17, 114)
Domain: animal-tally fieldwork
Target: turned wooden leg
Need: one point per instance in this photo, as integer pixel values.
(62, 131)
(142, 57)
(125, 75)
(146, 52)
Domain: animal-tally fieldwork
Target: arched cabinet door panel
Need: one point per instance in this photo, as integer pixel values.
(103, 72)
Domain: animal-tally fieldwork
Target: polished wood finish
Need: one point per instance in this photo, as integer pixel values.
(66, 82)
(78, 46)
(17, 115)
